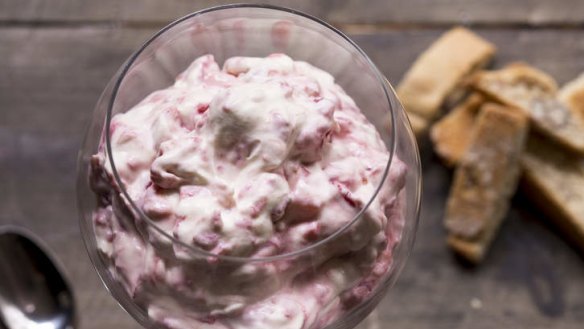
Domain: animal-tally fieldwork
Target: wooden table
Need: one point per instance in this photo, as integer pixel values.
(56, 57)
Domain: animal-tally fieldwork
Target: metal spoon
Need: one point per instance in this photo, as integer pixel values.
(33, 293)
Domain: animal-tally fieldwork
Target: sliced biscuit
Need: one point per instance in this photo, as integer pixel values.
(450, 134)
(534, 92)
(554, 181)
(438, 73)
(485, 180)
(572, 95)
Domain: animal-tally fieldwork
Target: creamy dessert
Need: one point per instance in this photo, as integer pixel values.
(259, 158)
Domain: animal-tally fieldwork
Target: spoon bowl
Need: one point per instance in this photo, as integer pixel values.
(33, 292)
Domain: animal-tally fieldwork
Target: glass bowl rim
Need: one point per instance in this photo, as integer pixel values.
(387, 89)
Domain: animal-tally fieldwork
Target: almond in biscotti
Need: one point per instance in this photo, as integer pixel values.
(485, 180)
(535, 93)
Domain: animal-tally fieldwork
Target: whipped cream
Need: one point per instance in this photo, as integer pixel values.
(262, 157)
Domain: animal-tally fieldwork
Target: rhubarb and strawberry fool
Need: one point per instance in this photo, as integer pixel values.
(259, 158)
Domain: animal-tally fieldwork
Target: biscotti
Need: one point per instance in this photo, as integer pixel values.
(572, 95)
(534, 92)
(450, 134)
(554, 181)
(485, 180)
(438, 73)
(553, 177)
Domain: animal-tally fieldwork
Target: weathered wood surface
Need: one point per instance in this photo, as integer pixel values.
(56, 57)
(422, 12)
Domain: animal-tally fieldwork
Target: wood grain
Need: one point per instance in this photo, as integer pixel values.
(421, 12)
(52, 77)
